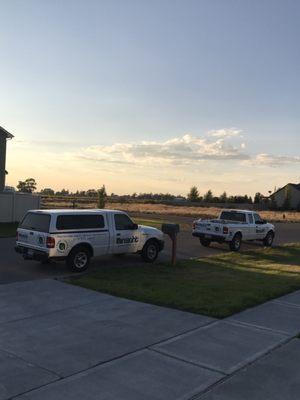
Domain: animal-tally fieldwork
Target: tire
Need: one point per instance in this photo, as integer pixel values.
(268, 240)
(79, 259)
(236, 242)
(150, 251)
(205, 242)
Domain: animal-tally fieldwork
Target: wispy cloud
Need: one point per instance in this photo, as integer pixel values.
(271, 160)
(183, 150)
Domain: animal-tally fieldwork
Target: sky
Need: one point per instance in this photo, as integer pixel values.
(152, 96)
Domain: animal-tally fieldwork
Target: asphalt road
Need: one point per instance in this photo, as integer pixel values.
(13, 268)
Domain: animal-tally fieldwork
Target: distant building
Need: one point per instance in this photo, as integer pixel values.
(4, 135)
(291, 191)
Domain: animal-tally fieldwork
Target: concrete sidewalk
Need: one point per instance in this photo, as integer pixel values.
(59, 341)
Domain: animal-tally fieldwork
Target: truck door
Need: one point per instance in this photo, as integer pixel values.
(251, 227)
(126, 234)
(260, 227)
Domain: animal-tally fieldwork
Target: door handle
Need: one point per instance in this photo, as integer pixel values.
(118, 234)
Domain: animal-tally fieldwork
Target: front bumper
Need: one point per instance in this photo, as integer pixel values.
(31, 254)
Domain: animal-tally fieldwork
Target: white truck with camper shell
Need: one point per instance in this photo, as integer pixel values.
(233, 227)
(77, 235)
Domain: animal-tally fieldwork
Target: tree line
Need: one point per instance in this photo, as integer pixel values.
(209, 197)
(30, 185)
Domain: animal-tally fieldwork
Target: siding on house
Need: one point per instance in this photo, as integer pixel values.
(294, 194)
(4, 135)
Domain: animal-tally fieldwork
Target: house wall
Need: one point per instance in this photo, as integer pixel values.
(294, 196)
(13, 206)
(2, 161)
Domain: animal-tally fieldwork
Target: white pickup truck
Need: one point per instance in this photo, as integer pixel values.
(233, 227)
(77, 235)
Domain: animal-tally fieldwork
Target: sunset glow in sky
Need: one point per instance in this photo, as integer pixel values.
(152, 95)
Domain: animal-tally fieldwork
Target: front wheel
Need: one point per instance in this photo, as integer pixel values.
(236, 243)
(150, 251)
(205, 242)
(79, 259)
(268, 240)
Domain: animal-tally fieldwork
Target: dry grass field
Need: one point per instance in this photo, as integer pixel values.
(162, 210)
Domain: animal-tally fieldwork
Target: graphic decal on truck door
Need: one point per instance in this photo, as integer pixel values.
(129, 240)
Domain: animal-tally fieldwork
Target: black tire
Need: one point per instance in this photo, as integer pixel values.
(236, 242)
(79, 259)
(205, 242)
(150, 251)
(268, 240)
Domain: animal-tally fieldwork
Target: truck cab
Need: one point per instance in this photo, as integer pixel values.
(77, 235)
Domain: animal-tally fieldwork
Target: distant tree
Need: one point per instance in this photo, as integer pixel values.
(63, 192)
(208, 197)
(27, 186)
(257, 198)
(102, 197)
(223, 197)
(47, 192)
(193, 194)
(91, 193)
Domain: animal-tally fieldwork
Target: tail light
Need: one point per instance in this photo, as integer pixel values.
(17, 236)
(50, 242)
(194, 225)
(225, 230)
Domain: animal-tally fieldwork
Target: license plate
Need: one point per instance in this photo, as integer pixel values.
(207, 236)
(30, 252)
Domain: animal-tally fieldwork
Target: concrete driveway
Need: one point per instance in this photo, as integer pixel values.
(60, 342)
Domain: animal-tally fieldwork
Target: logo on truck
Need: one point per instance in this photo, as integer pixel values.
(129, 240)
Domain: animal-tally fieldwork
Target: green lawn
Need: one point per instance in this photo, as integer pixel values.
(8, 229)
(217, 286)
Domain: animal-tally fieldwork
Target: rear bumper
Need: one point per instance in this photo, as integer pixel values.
(31, 254)
(210, 236)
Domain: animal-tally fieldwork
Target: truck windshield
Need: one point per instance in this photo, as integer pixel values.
(36, 222)
(233, 216)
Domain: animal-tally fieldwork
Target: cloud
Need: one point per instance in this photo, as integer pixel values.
(225, 133)
(270, 160)
(183, 150)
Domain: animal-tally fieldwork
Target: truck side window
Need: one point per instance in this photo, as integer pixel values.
(123, 222)
(83, 221)
(258, 219)
(250, 216)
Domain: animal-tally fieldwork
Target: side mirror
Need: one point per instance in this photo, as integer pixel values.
(135, 227)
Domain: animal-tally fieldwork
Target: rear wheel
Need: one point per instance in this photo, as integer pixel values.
(205, 242)
(79, 259)
(236, 242)
(150, 251)
(268, 240)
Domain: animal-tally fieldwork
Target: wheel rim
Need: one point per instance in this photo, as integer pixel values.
(237, 243)
(270, 239)
(80, 260)
(151, 251)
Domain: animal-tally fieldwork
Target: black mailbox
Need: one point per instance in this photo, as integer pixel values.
(170, 229)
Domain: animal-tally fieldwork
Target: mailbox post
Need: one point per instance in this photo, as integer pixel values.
(172, 231)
